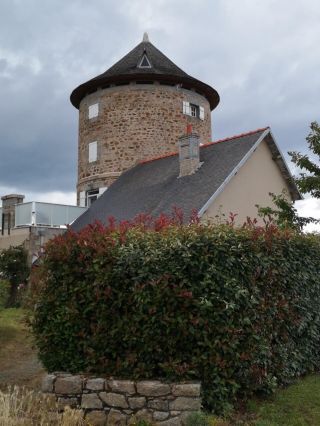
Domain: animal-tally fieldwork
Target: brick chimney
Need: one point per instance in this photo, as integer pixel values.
(189, 156)
(8, 211)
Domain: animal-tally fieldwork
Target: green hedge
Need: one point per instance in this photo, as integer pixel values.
(237, 309)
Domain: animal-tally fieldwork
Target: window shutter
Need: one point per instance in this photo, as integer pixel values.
(82, 199)
(201, 113)
(93, 111)
(93, 151)
(102, 189)
(186, 108)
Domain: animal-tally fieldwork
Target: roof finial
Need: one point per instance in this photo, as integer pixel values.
(145, 37)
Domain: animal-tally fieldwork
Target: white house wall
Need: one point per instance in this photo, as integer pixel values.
(250, 186)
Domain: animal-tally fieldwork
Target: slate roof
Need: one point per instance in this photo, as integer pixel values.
(127, 69)
(153, 186)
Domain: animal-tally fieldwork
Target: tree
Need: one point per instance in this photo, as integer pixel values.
(284, 214)
(309, 180)
(14, 268)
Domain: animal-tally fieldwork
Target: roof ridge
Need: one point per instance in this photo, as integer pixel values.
(171, 154)
(149, 160)
(240, 135)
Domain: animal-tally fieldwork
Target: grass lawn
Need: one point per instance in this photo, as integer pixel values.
(11, 327)
(18, 360)
(297, 405)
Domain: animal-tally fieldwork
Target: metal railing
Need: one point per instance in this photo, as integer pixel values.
(46, 214)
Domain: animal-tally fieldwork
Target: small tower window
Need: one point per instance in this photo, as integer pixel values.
(91, 196)
(193, 110)
(93, 151)
(144, 63)
(93, 111)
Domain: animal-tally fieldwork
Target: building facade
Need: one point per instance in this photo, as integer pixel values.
(135, 111)
(32, 224)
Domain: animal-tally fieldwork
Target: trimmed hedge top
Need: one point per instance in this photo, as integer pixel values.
(237, 309)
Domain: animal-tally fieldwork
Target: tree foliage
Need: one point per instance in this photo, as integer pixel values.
(15, 269)
(309, 180)
(284, 214)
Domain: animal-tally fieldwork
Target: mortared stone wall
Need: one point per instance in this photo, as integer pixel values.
(113, 402)
(135, 122)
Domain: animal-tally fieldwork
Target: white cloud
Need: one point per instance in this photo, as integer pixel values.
(56, 197)
(309, 207)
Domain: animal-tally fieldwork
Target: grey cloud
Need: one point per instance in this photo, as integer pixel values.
(260, 56)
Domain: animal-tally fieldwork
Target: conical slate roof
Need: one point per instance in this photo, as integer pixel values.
(144, 63)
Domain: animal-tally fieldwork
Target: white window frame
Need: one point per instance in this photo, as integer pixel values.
(193, 110)
(93, 152)
(93, 111)
(90, 194)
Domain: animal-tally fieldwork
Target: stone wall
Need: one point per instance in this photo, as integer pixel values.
(135, 122)
(123, 402)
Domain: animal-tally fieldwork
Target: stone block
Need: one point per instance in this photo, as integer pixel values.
(114, 399)
(116, 418)
(95, 384)
(182, 403)
(158, 416)
(174, 421)
(69, 385)
(144, 415)
(152, 388)
(122, 386)
(96, 418)
(91, 401)
(47, 385)
(158, 404)
(137, 402)
(67, 402)
(186, 389)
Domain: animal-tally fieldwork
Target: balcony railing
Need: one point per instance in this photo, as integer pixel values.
(46, 214)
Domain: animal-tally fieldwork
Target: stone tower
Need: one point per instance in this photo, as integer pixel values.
(136, 110)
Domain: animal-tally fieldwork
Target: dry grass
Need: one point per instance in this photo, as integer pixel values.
(23, 407)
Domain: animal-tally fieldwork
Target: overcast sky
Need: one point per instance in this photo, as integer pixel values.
(262, 56)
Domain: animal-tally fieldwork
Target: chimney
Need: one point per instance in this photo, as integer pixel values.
(8, 211)
(189, 156)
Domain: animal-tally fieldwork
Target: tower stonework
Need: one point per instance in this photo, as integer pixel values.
(136, 110)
